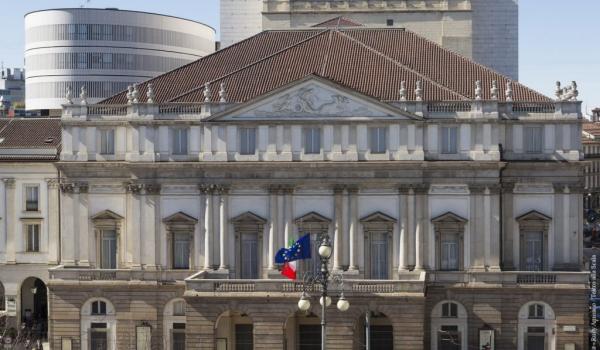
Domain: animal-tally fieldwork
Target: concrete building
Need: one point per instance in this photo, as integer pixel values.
(484, 30)
(450, 214)
(104, 50)
(12, 88)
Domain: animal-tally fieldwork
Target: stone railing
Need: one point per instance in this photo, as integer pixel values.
(523, 278)
(486, 109)
(204, 283)
(93, 275)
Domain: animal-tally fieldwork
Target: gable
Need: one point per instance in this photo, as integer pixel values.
(312, 217)
(180, 217)
(106, 215)
(313, 98)
(378, 217)
(450, 218)
(249, 217)
(533, 215)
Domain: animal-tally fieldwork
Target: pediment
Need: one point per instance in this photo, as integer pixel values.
(106, 215)
(180, 218)
(449, 217)
(313, 98)
(378, 217)
(312, 217)
(533, 215)
(249, 217)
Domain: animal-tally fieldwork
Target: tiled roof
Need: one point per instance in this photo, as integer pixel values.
(30, 139)
(370, 61)
(338, 22)
(592, 128)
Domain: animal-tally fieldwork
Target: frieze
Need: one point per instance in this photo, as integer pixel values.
(214, 189)
(449, 189)
(74, 187)
(533, 188)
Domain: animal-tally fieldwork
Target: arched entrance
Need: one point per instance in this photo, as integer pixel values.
(234, 330)
(379, 329)
(34, 307)
(537, 327)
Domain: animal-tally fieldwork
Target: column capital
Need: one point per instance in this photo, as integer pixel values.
(74, 187)
(134, 187)
(420, 188)
(152, 189)
(339, 189)
(353, 189)
(9, 182)
(222, 189)
(53, 183)
(507, 187)
(477, 188)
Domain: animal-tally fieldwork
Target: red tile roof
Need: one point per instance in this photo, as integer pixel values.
(370, 61)
(30, 139)
(338, 22)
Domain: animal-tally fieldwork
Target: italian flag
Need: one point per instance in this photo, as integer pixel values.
(289, 270)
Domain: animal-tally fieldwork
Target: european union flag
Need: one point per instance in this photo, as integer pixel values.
(298, 251)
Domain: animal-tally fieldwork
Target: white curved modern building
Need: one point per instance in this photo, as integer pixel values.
(104, 50)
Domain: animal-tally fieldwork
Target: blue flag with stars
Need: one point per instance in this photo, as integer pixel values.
(298, 251)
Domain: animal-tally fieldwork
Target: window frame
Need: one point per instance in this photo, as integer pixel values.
(245, 145)
(107, 148)
(102, 262)
(445, 139)
(174, 254)
(376, 134)
(529, 138)
(33, 245)
(309, 146)
(180, 147)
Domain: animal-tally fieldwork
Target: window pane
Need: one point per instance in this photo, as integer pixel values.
(247, 140)
(107, 142)
(33, 238)
(379, 258)
(109, 250)
(533, 251)
(179, 308)
(312, 140)
(249, 256)
(181, 251)
(180, 141)
(378, 141)
(449, 252)
(449, 140)
(533, 139)
(32, 198)
(243, 337)
(178, 339)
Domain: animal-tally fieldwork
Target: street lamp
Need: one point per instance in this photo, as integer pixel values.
(323, 280)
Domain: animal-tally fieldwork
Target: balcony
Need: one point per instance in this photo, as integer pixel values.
(203, 284)
(88, 276)
(527, 279)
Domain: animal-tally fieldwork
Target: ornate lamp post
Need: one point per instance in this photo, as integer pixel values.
(323, 279)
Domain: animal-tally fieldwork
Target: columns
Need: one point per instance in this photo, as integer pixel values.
(403, 229)
(288, 216)
(487, 228)
(9, 220)
(411, 222)
(150, 212)
(208, 226)
(338, 227)
(510, 236)
(272, 228)
(223, 227)
(132, 250)
(566, 231)
(67, 225)
(53, 221)
(353, 229)
(80, 197)
(420, 227)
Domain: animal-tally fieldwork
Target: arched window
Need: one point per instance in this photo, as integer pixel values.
(98, 308)
(537, 327)
(449, 326)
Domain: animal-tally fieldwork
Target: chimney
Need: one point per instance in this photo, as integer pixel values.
(596, 115)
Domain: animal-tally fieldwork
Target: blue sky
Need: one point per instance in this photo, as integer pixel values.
(558, 40)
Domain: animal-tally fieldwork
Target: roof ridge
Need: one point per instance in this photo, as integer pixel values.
(320, 32)
(400, 64)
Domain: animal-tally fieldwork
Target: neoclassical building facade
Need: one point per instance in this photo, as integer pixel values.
(452, 196)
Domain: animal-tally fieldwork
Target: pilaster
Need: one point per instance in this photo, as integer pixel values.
(9, 204)
(223, 192)
(353, 229)
(338, 192)
(133, 225)
(403, 254)
(53, 221)
(82, 202)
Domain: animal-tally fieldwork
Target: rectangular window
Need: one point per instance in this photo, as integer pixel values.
(379, 256)
(534, 139)
(535, 338)
(107, 141)
(32, 198)
(109, 250)
(312, 140)
(309, 337)
(180, 141)
(249, 255)
(449, 338)
(390, 22)
(534, 243)
(99, 336)
(247, 141)
(243, 337)
(181, 251)
(377, 139)
(449, 252)
(449, 140)
(178, 336)
(33, 237)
